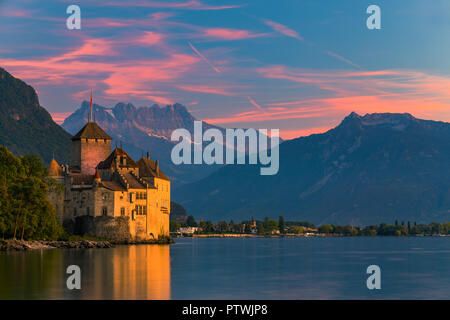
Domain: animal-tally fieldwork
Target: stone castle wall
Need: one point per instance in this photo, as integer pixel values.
(102, 227)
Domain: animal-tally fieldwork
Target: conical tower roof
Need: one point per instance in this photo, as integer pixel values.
(91, 131)
(54, 170)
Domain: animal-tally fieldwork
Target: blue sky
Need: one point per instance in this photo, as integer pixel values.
(300, 66)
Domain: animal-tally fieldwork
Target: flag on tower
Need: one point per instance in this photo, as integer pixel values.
(91, 105)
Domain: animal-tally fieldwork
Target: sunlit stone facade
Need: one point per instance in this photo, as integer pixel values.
(108, 194)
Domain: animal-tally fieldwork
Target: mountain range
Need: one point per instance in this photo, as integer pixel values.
(25, 126)
(145, 129)
(368, 169)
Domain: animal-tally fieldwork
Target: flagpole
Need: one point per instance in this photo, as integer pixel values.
(91, 104)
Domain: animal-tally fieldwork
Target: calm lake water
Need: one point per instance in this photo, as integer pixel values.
(236, 268)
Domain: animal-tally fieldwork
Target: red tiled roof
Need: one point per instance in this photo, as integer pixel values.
(113, 185)
(109, 162)
(147, 168)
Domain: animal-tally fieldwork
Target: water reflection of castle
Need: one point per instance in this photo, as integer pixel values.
(123, 272)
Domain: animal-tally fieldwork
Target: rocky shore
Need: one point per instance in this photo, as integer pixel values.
(22, 245)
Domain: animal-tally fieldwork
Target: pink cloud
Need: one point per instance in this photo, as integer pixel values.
(229, 34)
(187, 5)
(59, 117)
(283, 29)
(295, 133)
(206, 89)
(16, 13)
(425, 95)
(119, 79)
(150, 38)
(257, 106)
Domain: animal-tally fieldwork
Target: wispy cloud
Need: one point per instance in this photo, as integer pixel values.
(229, 34)
(294, 34)
(339, 57)
(116, 79)
(283, 29)
(204, 58)
(220, 90)
(257, 106)
(424, 95)
(187, 5)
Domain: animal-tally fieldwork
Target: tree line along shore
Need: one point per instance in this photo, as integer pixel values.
(272, 228)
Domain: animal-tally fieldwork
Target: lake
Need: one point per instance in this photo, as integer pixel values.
(236, 268)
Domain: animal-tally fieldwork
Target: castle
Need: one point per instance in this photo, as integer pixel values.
(107, 194)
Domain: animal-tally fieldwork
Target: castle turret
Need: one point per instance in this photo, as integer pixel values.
(54, 170)
(90, 146)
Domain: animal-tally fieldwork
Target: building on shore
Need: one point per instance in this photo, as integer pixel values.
(107, 194)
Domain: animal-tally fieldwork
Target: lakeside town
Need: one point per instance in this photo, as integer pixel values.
(281, 228)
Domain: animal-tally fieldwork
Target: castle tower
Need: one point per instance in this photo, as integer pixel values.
(90, 146)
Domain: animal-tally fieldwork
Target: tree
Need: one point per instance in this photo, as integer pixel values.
(25, 211)
(297, 229)
(190, 222)
(222, 226)
(270, 225)
(174, 226)
(260, 227)
(281, 225)
(206, 226)
(326, 228)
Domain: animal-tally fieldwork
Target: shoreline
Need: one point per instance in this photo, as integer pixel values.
(244, 235)
(24, 245)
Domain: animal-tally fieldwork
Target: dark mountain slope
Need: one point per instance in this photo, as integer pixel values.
(25, 126)
(370, 169)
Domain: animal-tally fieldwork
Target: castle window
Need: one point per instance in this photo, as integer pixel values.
(104, 211)
(145, 195)
(140, 210)
(87, 210)
(122, 211)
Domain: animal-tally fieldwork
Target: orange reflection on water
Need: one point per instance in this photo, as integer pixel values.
(141, 272)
